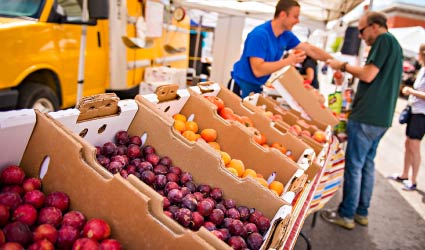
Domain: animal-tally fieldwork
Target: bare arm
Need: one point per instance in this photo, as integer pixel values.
(314, 52)
(366, 73)
(262, 68)
(309, 74)
(414, 92)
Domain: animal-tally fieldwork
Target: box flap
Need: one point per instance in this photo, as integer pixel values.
(15, 130)
(290, 82)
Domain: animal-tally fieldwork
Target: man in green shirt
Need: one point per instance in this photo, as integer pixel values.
(372, 115)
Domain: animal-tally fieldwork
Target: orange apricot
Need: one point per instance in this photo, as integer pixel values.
(225, 157)
(215, 145)
(190, 135)
(238, 165)
(249, 172)
(192, 126)
(209, 134)
(276, 186)
(179, 126)
(180, 117)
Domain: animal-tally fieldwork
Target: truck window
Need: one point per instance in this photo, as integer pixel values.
(72, 10)
(20, 8)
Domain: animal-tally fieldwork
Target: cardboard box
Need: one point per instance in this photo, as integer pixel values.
(55, 155)
(269, 104)
(158, 76)
(231, 137)
(141, 118)
(289, 118)
(302, 153)
(289, 83)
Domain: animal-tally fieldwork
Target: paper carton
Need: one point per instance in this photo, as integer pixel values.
(302, 153)
(289, 84)
(57, 157)
(232, 138)
(141, 118)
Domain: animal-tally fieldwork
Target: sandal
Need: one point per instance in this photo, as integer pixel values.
(396, 177)
(408, 186)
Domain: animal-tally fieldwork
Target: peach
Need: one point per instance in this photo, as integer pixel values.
(319, 136)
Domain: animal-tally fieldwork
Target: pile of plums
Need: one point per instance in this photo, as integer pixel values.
(33, 220)
(191, 205)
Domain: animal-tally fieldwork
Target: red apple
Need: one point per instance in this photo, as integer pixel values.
(35, 198)
(85, 244)
(45, 231)
(42, 245)
(59, 200)
(110, 244)
(30, 184)
(26, 214)
(74, 219)
(66, 237)
(12, 175)
(97, 229)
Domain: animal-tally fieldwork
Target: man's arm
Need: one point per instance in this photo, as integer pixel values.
(314, 52)
(261, 68)
(366, 73)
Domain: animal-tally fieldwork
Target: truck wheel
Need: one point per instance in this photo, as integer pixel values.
(37, 96)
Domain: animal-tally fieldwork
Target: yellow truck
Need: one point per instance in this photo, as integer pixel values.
(40, 43)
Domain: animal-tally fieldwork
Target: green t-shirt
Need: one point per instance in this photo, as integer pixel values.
(374, 103)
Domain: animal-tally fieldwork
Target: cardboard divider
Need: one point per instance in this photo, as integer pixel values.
(299, 149)
(53, 150)
(234, 140)
(203, 162)
(290, 81)
(288, 119)
(199, 159)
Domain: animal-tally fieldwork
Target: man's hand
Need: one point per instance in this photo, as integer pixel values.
(334, 64)
(296, 56)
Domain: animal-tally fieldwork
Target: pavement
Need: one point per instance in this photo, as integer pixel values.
(396, 217)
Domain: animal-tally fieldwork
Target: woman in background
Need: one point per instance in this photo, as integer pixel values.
(415, 129)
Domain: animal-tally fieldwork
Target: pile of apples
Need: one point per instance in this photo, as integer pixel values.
(297, 128)
(228, 114)
(191, 205)
(318, 135)
(30, 219)
(189, 129)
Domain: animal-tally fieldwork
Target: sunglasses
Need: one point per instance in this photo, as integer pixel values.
(362, 29)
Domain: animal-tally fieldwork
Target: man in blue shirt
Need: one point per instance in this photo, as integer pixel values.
(264, 48)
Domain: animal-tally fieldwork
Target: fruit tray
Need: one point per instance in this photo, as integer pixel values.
(141, 118)
(301, 152)
(46, 149)
(291, 119)
(234, 140)
(290, 85)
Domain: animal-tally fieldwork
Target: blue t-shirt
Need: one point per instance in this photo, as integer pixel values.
(261, 42)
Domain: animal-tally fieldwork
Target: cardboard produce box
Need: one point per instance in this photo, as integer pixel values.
(233, 139)
(141, 118)
(302, 153)
(45, 148)
(267, 103)
(290, 85)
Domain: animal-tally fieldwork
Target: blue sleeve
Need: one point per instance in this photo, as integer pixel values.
(292, 40)
(256, 45)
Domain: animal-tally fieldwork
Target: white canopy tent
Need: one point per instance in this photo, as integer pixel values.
(410, 38)
(231, 21)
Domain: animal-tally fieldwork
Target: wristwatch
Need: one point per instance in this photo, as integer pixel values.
(343, 67)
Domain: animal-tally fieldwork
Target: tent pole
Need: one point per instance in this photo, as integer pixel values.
(81, 62)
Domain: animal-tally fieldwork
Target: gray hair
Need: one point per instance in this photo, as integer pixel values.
(378, 18)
